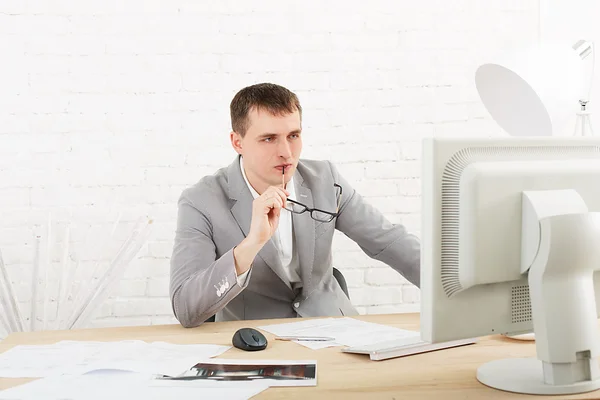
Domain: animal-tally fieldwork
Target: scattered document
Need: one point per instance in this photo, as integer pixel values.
(72, 357)
(270, 372)
(102, 385)
(346, 332)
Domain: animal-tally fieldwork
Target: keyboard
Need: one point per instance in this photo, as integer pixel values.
(404, 347)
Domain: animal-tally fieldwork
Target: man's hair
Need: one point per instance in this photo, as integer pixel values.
(263, 96)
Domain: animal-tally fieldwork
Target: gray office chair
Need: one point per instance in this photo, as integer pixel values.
(337, 274)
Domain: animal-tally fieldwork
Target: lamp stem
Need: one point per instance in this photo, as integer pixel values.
(583, 125)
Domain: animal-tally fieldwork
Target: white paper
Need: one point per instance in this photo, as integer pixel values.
(346, 331)
(102, 385)
(70, 357)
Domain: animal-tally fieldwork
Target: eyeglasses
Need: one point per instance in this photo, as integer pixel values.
(315, 213)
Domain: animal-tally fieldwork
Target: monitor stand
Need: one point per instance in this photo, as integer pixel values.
(565, 319)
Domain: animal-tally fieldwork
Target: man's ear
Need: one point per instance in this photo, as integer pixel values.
(236, 141)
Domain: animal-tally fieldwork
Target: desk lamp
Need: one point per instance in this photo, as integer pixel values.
(536, 92)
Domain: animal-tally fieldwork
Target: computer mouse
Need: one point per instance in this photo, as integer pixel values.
(249, 339)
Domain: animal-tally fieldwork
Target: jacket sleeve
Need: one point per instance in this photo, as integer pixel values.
(200, 283)
(381, 240)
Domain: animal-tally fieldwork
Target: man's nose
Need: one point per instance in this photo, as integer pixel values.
(285, 150)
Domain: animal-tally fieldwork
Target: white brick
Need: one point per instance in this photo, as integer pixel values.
(411, 294)
(329, 136)
(162, 212)
(14, 198)
(391, 170)
(34, 143)
(83, 83)
(450, 112)
(394, 132)
(105, 174)
(409, 187)
(148, 267)
(342, 244)
(455, 94)
(372, 295)
(14, 84)
(300, 82)
(351, 172)
(411, 150)
(402, 204)
(300, 42)
(350, 259)
(362, 41)
(14, 123)
(316, 152)
(148, 194)
(15, 236)
(132, 307)
(376, 188)
(130, 287)
(153, 157)
(412, 221)
(158, 287)
(112, 322)
(23, 217)
(14, 8)
(49, 83)
(160, 249)
(203, 81)
(176, 175)
(361, 152)
(69, 196)
(143, 82)
(312, 61)
(203, 156)
(265, 62)
(383, 277)
(26, 24)
(151, 43)
(360, 79)
(393, 309)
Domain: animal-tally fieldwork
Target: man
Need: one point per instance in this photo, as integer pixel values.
(254, 240)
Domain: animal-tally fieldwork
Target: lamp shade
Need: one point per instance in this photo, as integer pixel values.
(534, 92)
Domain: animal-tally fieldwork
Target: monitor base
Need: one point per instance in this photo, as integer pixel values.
(525, 375)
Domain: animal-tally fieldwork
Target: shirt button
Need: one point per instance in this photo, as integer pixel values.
(296, 305)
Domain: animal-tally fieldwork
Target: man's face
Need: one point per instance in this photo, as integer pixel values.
(272, 143)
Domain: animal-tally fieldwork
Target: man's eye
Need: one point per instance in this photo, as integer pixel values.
(268, 139)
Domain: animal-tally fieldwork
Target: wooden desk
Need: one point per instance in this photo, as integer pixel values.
(446, 374)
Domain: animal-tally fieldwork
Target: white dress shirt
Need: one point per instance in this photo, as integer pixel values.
(283, 237)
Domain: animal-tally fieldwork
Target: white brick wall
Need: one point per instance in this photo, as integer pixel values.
(128, 102)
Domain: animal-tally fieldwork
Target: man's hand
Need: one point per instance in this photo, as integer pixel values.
(266, 210)
(265, 214)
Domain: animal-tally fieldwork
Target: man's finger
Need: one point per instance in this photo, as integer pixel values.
(281, 192)
(274, 202)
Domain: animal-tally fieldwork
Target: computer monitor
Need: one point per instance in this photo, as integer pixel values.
(510, 242)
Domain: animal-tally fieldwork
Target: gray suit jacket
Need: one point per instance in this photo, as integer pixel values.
(214, 216)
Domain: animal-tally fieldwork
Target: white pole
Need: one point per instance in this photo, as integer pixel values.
(35, 275)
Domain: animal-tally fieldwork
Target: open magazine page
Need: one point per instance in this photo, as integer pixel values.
(273, 372)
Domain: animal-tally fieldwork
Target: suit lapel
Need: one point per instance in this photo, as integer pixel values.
(242, 213)
(304, 234)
